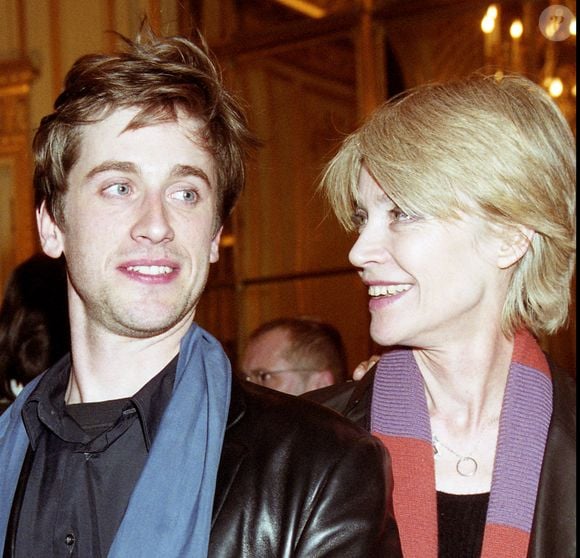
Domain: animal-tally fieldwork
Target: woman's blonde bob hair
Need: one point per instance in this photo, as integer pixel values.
(499, 145)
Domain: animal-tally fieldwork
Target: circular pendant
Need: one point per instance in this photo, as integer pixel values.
(466, 466)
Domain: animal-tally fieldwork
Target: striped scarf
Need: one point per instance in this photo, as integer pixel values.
(400, 419)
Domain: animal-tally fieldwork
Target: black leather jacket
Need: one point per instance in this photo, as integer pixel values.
(554, 527)
(290, 484)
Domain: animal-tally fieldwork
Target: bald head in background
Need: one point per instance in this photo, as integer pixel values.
(294, 355)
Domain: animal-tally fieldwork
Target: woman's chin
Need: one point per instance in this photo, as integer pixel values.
(381, 336)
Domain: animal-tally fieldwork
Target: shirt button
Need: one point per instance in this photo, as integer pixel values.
(69, 539)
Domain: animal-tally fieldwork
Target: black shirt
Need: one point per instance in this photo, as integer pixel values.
(461, 520)
(84, 462)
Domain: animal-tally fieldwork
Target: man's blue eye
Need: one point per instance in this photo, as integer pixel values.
(189, 196)
(118, 189)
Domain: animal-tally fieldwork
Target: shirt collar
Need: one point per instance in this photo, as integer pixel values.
(151, 400)
(45, 408)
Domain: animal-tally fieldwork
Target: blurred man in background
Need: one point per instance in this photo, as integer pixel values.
(295, 355)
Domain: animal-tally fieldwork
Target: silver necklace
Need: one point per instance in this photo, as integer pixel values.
(466, 465)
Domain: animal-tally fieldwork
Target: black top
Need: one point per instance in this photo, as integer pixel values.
(84, 461)
(461, 520)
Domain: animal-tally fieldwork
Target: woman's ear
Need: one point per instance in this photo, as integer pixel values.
(51, 238)
(515, 243)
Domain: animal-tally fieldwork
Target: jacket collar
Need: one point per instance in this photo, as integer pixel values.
(358, 407)
(234, 448)
(237, 402)
(554, 534)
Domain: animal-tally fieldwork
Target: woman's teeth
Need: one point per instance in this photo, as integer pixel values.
(387, 290)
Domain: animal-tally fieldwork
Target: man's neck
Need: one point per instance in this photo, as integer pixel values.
(114, 367)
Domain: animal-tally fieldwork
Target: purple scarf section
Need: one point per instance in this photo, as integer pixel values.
(523, 430)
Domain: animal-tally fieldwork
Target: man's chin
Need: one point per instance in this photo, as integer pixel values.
(146, 328)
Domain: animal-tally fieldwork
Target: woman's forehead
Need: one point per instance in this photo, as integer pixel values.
(369, 189)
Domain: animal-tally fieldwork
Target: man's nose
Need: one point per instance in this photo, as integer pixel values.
(153, 221)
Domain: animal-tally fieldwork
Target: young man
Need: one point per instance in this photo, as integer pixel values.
(294, 355)
(140, 443)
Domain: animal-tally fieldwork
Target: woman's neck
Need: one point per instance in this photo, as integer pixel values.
(464, 388)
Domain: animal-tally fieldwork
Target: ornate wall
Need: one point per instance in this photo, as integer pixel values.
(307, 81)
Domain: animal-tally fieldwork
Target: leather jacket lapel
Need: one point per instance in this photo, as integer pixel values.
(554, 527)
(233, 450)
(359, 404)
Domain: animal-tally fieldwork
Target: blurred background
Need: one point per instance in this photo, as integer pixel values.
(309, 71)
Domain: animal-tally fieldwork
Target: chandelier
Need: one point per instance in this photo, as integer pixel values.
(538, 41)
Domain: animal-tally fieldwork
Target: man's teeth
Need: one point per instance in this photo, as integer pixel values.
(387, 290)
(150, 269)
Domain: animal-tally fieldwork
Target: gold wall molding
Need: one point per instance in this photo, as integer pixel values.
(17, 234)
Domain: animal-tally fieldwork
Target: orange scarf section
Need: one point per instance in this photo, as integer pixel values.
(414, 475)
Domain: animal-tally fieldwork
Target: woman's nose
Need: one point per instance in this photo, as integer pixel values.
(370, 247)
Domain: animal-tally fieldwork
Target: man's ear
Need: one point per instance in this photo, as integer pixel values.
(51, 237)
(514, 244)
(214, 254)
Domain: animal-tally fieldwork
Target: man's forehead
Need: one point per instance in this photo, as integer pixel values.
(269, 345)
(121, 123)
(279, 336)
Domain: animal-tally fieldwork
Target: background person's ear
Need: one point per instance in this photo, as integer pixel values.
(515, 243)
(51, 238)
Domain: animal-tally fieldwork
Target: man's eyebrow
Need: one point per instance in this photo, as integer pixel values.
(182, 171)
(121, 166)
(128, 167)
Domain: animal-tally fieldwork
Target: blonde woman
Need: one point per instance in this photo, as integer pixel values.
(463, 197)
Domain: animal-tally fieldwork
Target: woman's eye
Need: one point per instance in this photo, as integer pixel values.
(358, 219)
(399, 215)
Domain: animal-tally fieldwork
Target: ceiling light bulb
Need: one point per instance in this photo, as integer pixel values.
(491, 11)
(516, 29)
(556, 87)
(487, 24)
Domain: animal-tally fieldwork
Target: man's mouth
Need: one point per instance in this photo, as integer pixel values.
(150, 269)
